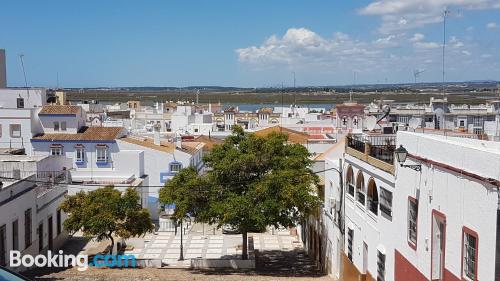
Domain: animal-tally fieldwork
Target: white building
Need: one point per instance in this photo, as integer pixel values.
(162, 161)
(31, 192)
(19, 120)
(453, 206)
(437, 223)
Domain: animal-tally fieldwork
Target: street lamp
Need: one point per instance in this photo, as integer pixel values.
(181, 256)
(401, 154)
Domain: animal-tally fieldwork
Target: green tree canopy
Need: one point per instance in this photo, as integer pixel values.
(105, 212)
(253, 182)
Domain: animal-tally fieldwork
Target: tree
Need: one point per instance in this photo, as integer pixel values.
(105, 212)
(253, 182)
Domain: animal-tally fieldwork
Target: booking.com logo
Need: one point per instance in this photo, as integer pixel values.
(80, 261)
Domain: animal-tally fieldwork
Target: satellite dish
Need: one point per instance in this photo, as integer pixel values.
(371, 122)
(413, 123)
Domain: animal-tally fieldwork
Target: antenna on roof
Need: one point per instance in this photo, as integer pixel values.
(416, 73)
(446, 14)
(21, 56)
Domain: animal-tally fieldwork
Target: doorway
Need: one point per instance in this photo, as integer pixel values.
(365, 258)
(438, 245)
(51, 233)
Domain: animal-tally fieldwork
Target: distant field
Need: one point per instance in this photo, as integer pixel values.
(275, 97)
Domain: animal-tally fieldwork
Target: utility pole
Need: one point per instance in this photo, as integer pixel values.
(21, 56)
(446, 13)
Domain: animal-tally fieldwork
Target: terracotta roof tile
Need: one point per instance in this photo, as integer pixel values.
(164, 146)
(60, 109)
(86, 134)
(293, 136)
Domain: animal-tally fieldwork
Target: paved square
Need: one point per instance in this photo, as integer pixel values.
(166, 246)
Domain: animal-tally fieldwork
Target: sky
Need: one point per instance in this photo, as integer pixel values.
(256, 43)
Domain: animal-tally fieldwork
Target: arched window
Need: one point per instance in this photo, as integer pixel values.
(350, 181)
(372, 195)
(360, 188)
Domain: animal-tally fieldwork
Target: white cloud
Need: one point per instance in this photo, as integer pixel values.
(417, 37)
(302, 46)
(391, 41)
(426, 45)
(456, 43)
(407, 14)
(492, 25)
(486, 56)
(304, 51)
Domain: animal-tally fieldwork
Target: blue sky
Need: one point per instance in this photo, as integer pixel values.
(247, 43)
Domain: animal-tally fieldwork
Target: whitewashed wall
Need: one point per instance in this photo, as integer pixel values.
(464, 201)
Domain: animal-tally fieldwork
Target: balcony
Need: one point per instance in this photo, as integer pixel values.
(376, 150)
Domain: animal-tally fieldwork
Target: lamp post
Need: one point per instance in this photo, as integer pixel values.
(181, 256)
(401, 154)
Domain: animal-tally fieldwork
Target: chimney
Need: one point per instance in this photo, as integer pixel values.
(3, 70)
(156, 129)
(178, 140)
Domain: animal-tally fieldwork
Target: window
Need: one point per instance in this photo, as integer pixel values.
(175, 167)
(360, 188)
(102, 154)
(372, 197)
(27, 228)
(350, 238)
(56, 150)
(380, 266)
(15, 235)
(350, 181)
(469, 254)
(15, 130)
(20, 103)
(56, 125)
(40, 236)
(80, 153)
(412, 222)
(386, 202)
(59, 222)
(3, 245)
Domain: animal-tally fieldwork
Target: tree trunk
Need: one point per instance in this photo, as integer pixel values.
(112, 244)
(244, 254)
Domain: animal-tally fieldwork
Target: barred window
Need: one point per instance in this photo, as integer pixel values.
(386, 202)
(470, 254)
(412, 220)
(350, 238)
(380, 266)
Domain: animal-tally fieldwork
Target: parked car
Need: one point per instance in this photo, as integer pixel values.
(230, 229)
(7, 275)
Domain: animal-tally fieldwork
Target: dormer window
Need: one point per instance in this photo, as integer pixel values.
(175, 167)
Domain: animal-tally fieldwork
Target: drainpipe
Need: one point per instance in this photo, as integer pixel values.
(341, 219)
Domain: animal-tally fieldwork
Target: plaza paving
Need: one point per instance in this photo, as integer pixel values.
(166, 246)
